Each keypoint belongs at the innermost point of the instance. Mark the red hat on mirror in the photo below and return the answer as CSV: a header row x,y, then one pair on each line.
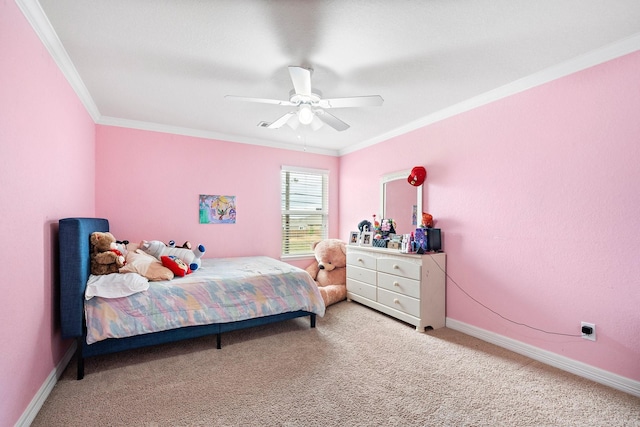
x,y
417,176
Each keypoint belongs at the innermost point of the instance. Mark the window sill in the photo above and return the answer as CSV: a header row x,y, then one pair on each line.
x,y
297,257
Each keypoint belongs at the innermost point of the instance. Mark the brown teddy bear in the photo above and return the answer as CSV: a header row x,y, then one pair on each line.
x,y
329,271
105,257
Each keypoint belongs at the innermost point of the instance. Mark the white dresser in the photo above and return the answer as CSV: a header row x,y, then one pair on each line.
x,y
409,287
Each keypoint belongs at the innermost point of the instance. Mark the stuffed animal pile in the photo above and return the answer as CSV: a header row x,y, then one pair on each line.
x,y
109,256
106,258
329,271
180,261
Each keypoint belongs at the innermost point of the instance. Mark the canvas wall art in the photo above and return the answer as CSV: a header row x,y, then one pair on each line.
x,y
217,209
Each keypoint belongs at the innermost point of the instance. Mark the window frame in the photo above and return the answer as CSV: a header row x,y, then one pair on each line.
x,y
324,212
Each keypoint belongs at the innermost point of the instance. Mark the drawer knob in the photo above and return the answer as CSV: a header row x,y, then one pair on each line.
x,y
396,266
396,284
396,301
359,259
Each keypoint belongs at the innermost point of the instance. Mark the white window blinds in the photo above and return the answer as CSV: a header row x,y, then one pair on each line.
x,y
304,205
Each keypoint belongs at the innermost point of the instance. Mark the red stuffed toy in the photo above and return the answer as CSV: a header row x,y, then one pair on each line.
x,y
176,265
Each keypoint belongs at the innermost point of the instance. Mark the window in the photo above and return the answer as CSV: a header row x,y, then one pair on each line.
x,y
304,206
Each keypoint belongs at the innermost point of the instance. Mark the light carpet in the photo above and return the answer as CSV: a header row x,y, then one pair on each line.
x,y
357,368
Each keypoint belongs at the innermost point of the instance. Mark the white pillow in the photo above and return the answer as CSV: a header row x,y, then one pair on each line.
x,y
115,285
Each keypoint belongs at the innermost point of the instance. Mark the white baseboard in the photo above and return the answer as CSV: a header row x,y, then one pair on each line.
x,y
561,362
38,400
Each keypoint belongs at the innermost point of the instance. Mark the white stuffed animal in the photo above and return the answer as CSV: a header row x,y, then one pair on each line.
x,y
191,257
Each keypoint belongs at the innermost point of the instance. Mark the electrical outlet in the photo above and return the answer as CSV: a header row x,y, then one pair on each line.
x,y
592,335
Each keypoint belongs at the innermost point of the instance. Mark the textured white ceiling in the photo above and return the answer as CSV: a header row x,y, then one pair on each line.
x,y
167,65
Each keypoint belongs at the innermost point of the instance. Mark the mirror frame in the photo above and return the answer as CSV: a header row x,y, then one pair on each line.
x,y
394,176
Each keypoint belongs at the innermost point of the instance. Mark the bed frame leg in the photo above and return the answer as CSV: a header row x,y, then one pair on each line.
x,y
218,341
313,320
79,357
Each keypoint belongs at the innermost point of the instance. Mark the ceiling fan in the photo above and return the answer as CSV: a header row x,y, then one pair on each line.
x,y
310,107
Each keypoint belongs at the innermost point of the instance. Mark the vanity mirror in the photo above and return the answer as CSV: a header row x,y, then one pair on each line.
x,y
400,201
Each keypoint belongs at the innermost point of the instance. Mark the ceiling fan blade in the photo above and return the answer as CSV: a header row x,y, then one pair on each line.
x,y
261,100
354,101
332,120
301,79
281,121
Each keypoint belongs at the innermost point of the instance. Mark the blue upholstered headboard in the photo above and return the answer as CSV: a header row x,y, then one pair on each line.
x,y
75,268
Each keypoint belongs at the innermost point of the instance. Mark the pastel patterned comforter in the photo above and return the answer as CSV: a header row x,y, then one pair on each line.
x,y
221,290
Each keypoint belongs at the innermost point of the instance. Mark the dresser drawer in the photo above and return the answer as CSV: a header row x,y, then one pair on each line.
x,y
361,274
362,289
399,302
360,259
399,267
399,284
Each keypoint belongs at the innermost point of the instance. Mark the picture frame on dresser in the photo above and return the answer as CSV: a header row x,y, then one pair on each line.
x,y
367,238
354,238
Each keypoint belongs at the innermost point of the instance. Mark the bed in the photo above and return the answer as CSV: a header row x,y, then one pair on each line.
x,y
223,295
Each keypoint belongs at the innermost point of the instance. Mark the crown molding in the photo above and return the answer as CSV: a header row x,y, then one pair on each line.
x,y
40,23
43,28
579,63
177,130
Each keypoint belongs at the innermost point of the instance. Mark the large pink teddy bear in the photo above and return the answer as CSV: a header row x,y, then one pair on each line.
x,y
330,270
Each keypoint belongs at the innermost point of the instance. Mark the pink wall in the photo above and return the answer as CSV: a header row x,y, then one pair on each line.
x,y
148,185
538,198
46,173
537,195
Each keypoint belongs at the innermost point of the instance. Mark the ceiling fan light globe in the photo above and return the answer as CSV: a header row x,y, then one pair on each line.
x,y
316,123
305,115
